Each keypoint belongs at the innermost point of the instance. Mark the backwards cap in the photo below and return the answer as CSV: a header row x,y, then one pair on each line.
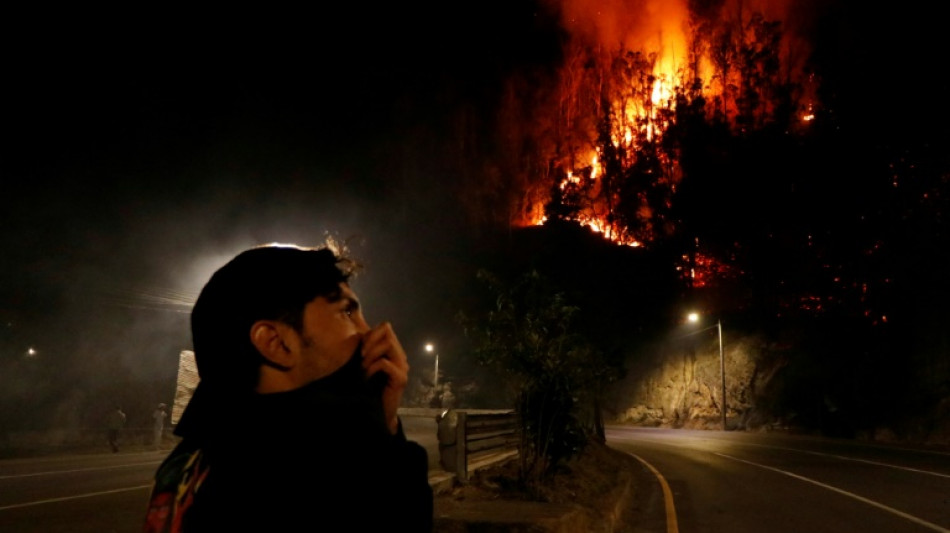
x,y
271,282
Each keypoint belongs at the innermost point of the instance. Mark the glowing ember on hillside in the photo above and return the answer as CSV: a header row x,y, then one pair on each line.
x,y
633,73
703,270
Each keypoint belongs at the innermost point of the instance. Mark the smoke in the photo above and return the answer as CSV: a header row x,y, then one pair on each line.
x,y
668,28
632,25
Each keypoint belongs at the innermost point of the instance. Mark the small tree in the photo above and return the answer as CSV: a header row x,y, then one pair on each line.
x,y
550,369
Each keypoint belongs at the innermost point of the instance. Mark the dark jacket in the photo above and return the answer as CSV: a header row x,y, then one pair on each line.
x,y
315,459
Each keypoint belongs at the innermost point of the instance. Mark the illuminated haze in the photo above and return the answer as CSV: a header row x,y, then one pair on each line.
x,y
142,159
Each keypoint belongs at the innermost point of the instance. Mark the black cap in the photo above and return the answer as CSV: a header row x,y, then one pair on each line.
x,y
271,282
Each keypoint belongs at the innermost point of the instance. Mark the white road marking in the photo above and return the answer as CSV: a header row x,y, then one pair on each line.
x,y
66,498
845,458
862,499
75,470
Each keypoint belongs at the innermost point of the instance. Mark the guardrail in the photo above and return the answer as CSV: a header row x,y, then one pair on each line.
x,y
470,438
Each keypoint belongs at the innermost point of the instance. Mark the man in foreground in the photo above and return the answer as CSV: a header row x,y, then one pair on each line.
x,y
294,422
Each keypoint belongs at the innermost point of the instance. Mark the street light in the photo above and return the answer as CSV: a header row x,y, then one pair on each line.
x,y
435,378
694,317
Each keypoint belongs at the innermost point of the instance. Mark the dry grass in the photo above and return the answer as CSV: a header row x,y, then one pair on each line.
x,y
594,480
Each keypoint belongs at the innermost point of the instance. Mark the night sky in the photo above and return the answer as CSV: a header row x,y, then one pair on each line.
x,y
144,149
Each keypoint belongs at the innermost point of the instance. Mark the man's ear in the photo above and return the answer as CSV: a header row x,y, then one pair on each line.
x,y
271,340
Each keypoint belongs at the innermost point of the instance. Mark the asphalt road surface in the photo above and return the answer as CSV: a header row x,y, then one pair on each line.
x,y
713,481
81,493
689,481
106,493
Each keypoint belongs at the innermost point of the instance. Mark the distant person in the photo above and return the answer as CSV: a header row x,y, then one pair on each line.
x,y
115,423
158,425
294,423
448,397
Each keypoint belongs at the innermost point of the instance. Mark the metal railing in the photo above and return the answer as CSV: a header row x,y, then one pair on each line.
x,y
472,438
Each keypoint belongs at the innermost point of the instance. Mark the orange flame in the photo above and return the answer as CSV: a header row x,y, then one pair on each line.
x,y
628,66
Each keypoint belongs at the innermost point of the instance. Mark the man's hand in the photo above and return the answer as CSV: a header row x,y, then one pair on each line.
x,y
383,353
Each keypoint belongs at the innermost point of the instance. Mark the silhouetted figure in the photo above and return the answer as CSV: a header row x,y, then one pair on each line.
x,y
448,397
158,425
115,423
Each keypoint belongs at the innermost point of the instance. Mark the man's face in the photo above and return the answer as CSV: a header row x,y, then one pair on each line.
x,y
332,331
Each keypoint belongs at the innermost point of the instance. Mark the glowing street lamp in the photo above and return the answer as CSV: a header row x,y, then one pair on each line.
x,y
694,318
435,378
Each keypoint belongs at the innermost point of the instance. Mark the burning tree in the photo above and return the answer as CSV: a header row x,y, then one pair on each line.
x,y
614,123
697,128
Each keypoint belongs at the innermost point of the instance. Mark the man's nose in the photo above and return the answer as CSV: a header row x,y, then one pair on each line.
x,y
362,326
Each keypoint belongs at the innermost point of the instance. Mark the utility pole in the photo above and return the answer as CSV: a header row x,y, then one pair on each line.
x,y
694,317
722,374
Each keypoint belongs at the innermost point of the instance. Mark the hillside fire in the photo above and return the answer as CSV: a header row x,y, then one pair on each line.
x,y
634,79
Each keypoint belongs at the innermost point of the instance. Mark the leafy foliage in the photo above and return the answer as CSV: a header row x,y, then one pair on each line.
x,y
552,370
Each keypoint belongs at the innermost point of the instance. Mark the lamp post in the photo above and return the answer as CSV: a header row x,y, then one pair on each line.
x,y
435,376
694,317
722,374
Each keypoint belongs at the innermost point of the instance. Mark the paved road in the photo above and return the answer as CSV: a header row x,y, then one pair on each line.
x,y
81,493
753,483
718,482
105,493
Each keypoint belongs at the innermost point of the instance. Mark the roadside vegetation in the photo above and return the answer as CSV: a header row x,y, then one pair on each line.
x,y
554,375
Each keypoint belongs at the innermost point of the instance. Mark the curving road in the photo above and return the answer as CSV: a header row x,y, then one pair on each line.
x,y
713,481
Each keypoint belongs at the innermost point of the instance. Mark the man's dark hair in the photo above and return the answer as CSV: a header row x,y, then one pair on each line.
x,y
271,282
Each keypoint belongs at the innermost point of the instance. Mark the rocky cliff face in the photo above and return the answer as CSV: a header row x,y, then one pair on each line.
x,y
680,385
